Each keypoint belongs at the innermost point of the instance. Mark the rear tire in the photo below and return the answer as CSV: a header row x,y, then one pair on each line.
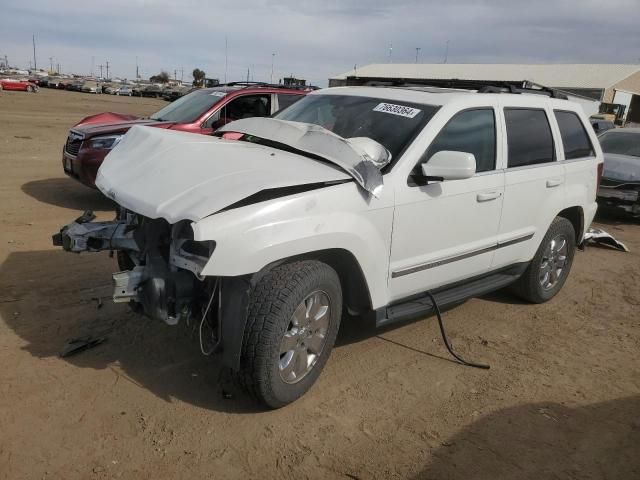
x,y
550,267
293,319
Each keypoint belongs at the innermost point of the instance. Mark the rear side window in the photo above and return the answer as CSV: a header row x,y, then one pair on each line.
x,y
575,141
471,131
529,137
284,100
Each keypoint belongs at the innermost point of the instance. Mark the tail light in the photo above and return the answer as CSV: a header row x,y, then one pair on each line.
x,y
600,169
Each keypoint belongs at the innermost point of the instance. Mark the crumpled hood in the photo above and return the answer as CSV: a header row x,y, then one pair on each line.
x,y
177,175
318,141
625,168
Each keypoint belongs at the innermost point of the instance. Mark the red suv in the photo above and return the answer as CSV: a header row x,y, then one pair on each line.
x,y
201,111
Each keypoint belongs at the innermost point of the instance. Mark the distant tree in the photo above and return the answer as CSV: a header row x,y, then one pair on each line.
x,y
162,77
198,77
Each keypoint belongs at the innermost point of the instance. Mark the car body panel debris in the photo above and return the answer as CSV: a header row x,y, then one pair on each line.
x,y
597,236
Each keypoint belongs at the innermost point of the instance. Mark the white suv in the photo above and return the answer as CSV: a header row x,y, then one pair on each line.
x,y
357,199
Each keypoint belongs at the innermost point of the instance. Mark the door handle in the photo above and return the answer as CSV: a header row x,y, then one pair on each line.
x,y
486,197
554,182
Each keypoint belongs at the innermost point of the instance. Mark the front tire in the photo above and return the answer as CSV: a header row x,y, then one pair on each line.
x,y
550,267
293,319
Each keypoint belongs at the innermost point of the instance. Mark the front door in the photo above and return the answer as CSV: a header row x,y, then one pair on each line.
x,y
446,231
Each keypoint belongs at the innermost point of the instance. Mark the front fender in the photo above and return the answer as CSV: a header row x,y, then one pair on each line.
x,y
342,216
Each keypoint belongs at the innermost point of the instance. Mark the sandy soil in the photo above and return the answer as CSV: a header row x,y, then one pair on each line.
x,y
562,398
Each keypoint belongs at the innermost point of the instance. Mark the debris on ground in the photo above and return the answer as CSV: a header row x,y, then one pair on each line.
x,y
77,345
598,237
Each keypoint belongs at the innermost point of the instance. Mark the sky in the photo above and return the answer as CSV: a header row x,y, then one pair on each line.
x,y
314,40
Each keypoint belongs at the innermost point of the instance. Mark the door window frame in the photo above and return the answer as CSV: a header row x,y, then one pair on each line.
x,y
553,133
584,129
411,179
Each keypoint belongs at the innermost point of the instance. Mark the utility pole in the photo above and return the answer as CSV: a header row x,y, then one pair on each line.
x,y
101,70
107,69
92,60
175,74
417,52
273,57
59,70
446,52
226,58
35,65
137,73
247,74
181,74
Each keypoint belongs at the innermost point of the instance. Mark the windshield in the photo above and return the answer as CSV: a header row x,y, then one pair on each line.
x,y
391,123
622,143
188,108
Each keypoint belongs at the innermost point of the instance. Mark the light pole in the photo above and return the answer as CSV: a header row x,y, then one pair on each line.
x,y
417,52
273,57
446,52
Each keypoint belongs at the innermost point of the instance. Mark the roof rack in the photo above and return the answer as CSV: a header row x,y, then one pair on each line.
x,y
482,86
268,85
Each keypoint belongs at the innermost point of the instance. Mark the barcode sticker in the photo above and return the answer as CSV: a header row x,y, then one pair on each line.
x,y
399,110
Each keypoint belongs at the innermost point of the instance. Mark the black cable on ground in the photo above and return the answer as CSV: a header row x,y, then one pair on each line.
x,y
446,340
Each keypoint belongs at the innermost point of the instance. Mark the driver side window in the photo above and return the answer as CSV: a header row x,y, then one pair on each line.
x,y
471,131
242,107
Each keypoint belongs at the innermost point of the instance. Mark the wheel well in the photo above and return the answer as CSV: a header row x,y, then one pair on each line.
x,y
576,216
354,285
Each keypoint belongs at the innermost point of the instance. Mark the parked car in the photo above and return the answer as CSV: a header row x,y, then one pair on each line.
x,y
171,94
17,85
201,111
601,126
152,91
376,201
53,82
124,90
620,184
137,89
91,87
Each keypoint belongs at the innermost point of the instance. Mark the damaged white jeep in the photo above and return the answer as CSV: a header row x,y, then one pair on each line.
x,y
359,199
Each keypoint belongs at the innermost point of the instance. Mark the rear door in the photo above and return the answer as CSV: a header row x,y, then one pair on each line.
x,y
534,178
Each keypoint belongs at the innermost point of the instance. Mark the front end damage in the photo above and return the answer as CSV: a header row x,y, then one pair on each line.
x,y
160,268
622,195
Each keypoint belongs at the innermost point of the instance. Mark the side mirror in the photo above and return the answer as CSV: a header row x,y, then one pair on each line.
x,y
450,165
371,149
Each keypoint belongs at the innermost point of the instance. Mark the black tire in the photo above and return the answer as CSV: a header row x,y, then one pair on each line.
x,y
530,285
272,304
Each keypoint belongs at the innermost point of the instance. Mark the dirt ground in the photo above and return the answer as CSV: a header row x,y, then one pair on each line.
x,y
561,400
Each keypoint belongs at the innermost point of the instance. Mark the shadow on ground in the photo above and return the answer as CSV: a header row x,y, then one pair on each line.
x,y
544,441
49,297
614,217
67,193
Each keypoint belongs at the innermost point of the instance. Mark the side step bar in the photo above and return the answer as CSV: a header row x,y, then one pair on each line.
x,y
420,305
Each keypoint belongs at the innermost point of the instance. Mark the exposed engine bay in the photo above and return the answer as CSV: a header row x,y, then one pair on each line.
x,y
160,263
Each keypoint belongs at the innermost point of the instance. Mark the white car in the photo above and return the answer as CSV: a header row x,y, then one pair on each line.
x,y
358,199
